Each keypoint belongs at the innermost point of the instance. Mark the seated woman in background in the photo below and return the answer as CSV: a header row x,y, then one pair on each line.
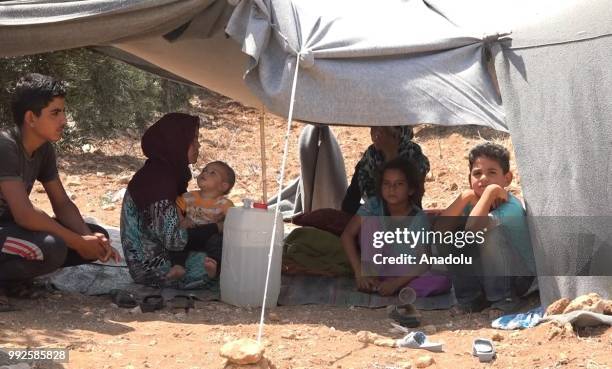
x,y
388,143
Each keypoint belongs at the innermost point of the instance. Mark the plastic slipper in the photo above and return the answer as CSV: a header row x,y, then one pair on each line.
x,y
483,348
405,315
123,299
418,340
182,302
152,303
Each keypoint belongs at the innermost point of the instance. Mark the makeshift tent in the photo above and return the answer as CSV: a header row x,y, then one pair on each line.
x,y
388,63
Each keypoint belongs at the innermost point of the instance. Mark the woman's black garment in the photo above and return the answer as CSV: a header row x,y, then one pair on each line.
x,y
352,199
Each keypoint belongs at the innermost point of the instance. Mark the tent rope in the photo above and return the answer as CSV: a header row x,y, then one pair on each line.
x,y
278,196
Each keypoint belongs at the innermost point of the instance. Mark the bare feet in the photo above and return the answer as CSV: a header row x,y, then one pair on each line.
x,y
210,265
176,272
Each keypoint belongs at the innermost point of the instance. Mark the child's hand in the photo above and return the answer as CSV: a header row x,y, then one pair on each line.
x,y
497,194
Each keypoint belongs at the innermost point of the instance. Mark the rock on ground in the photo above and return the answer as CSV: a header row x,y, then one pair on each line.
x,y
242,351
376,339
558,306
591,302
424,361
262,364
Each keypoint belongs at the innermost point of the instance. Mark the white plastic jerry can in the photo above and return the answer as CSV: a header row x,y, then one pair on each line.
x,y
246,242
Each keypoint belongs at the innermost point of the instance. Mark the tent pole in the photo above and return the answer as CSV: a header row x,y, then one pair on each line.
x,y
262,138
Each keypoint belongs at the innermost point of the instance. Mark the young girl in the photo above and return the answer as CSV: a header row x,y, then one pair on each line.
x,y
400,189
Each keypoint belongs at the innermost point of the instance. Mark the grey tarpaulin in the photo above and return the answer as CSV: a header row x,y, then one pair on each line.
x,y
363,64
558,102
322,182
387,63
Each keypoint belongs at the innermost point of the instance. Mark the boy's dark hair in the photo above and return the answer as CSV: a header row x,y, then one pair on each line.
x,y
34,92
413,176
492,151
229,172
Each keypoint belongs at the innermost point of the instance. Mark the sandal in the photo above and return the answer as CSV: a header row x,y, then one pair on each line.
x,y
25,291
152,303
123,299
405,315
182,302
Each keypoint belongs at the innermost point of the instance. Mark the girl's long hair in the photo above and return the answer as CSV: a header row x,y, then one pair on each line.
x,y
414,178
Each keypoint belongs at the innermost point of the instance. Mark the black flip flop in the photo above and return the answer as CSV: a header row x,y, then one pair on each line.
x,y
152,303
123,299
405,315
182,302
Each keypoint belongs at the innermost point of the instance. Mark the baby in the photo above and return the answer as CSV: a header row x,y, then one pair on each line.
x,y
207,205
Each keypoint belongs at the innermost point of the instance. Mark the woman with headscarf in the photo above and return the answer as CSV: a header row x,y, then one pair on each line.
x,y
388,143
149,218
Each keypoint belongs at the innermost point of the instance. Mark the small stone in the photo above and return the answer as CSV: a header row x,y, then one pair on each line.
x,y
607,307
152,342
288,335
554,332
404,365
100,174
125,179
497,337
563,359
243,351
40,190
108,207
430,177
261,364
274,317
453,187
430,329
73,196
557,307
73,181
424,361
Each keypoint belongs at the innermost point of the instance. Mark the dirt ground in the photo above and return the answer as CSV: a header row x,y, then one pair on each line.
x,y
99,335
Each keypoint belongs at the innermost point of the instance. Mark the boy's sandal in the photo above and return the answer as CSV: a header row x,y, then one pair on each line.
x,y
405,315
152,303
123,299
185,302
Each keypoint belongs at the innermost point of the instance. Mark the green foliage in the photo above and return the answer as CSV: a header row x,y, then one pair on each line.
x,y
105,96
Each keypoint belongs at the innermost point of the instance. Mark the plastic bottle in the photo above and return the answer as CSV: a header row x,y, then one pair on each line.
x,y
246,241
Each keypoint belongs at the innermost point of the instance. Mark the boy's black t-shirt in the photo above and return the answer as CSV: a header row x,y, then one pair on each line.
x,y
15,164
